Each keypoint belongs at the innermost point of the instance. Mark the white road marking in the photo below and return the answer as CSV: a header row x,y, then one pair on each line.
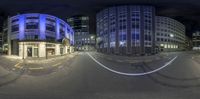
x,y
36,68
60,67
132,74
56,64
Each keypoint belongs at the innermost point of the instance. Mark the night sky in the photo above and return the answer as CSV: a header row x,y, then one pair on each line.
x,y
185,11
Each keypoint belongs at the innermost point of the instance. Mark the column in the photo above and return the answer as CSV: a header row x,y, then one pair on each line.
x,y
42,49
42,26
9,34
128,48
57,49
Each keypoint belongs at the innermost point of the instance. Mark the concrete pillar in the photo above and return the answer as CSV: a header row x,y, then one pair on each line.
x,y
57,49
128,33
9,36
65,49
70,49
142,48
117,34
42,49
20,49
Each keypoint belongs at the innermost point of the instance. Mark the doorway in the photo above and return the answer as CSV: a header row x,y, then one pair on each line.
x,y
29,51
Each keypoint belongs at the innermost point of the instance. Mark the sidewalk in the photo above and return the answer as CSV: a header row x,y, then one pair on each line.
x,y
196,58
38,59
16,66
48,59
7,77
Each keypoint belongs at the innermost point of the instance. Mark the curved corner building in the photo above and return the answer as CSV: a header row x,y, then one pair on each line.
x,y
170,34
39,35
126,30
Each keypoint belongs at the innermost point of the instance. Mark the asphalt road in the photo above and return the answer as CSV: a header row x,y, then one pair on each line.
x,y
83,78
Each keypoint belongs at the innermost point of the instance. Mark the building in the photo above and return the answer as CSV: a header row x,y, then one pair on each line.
x,y
126,30
196,40
38,35
170,34
1,42
4,38
188,43
83,40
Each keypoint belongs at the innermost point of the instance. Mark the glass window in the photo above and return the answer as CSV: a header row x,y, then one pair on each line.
x,y
32,25
15,28
50,27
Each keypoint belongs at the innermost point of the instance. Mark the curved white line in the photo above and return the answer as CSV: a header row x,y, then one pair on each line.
x,y
132,74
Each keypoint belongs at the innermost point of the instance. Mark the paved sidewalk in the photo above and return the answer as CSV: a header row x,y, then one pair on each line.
x,y
38,60
7,77
35,65
49,59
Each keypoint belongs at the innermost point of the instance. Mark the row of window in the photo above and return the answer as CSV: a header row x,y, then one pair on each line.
x,y
33,25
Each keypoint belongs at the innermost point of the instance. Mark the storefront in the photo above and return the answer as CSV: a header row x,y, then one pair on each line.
x,y
42,49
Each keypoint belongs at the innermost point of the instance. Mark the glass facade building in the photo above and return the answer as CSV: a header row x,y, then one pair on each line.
x,y
126,30
83,39
196,40
34,34
1,42
170,34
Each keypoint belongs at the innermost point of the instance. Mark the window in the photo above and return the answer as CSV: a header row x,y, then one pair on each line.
x,y
33,17
15,28
51,20
135,36
15,20
31,37
50,27
32,25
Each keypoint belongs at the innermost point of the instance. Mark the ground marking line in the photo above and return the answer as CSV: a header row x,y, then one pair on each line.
x,y
132,74
56,64
36,68
18,65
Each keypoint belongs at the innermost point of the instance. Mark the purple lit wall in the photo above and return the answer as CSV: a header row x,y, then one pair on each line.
x,y
21,27
42,27
57,29
68,32
71,37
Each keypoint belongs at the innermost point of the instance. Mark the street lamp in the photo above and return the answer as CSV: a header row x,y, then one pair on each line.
x,y
171,35
92,37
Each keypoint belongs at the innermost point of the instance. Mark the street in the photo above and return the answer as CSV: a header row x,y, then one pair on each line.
x,y
80,77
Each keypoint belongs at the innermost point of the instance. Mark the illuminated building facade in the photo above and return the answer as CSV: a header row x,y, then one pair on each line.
x,y
170,34
1,42
128,30
83,40
196,40
38,35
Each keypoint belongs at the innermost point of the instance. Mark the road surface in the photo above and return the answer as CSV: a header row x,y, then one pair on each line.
x,y
83,78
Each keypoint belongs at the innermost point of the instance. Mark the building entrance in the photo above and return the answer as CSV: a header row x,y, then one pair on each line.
x,y
29,51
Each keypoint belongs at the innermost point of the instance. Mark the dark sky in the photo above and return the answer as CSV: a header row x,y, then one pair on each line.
x,y
186,11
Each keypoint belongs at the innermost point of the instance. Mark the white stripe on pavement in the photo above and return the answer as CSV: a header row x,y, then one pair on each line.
x,y
132,74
